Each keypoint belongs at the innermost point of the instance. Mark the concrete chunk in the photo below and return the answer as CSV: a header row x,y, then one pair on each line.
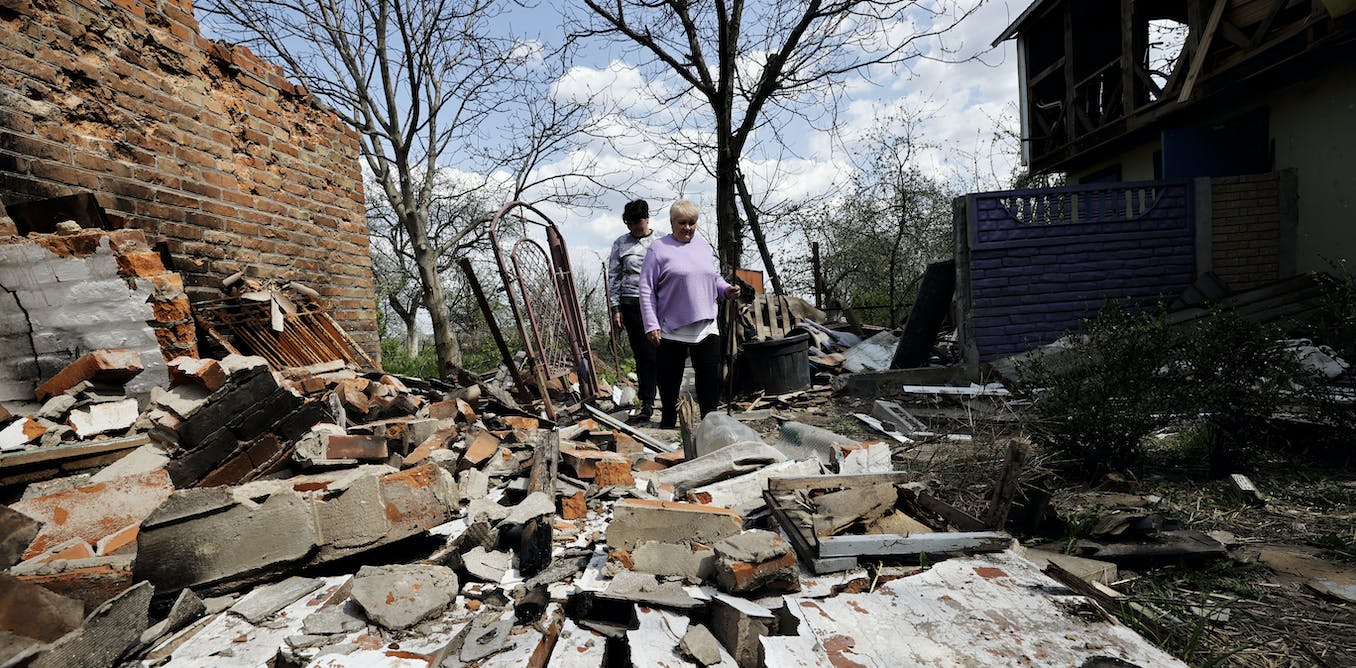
x,y
205,373
335,619
534,505
186,608
400,596
56,408
673,559
488,566
756,561
699,645
261,603
636,520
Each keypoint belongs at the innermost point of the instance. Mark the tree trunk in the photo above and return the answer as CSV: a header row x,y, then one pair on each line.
x,y
444,343
412,335
729,228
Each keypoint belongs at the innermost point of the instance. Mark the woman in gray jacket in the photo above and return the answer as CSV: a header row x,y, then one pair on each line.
x,y
623,294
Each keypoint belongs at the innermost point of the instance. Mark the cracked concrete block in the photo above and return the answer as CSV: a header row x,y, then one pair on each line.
x,y
472,484
636,520
94,511
263,602
32,611
699,645
756,561
205,373
646,589
489,633
106,634
864,458
354,516
400,596
182,401
17,532
673,559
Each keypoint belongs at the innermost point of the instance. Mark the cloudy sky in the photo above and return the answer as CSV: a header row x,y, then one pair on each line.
x,y
961,106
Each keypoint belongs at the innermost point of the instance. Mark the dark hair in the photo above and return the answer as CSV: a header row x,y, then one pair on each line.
x,y
635,210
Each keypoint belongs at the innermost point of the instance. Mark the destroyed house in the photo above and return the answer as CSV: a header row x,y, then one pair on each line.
x,y
120,116
1197,138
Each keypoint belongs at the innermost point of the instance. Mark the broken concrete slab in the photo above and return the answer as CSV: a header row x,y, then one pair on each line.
x,y
646,589
741,625
186,608
182,401
727,462
147,458
56,408
104,366
94,511
106,634
17,532
32,611
261,603
487,634
636,520
744,494
866,458
532,506
198,540
401,595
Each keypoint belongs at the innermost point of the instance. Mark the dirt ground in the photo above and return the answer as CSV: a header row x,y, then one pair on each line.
x,y
1262,605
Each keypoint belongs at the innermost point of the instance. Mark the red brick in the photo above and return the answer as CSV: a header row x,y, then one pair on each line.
x,y
611,472
574,507
108,366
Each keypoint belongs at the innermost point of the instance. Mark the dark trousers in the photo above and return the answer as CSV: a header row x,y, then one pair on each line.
x,y
705,365
643,351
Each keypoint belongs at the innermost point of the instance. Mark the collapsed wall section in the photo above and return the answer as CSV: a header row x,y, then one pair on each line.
x,y
201,145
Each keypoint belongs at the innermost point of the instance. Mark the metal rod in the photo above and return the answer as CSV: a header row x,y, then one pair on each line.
x,y
484,304
645,439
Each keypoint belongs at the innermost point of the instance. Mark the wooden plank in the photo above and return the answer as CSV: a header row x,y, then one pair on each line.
x,y
882,545
1005,487
836,481
63,452
1202,50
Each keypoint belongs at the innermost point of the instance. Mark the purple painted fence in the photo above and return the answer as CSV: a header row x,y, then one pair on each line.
x,y
1041,261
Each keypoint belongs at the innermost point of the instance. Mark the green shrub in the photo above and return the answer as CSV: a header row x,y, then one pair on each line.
x,y
1224,377
394,359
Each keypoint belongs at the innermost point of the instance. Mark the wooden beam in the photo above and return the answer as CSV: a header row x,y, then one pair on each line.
x,y
836,481
1202,49
1005,487
64,452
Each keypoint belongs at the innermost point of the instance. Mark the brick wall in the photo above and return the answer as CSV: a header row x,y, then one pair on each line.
x,y
201,145
1245,237
1039,262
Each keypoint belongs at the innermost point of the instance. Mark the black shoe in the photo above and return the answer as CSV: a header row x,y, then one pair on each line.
x,y
643,417
668,425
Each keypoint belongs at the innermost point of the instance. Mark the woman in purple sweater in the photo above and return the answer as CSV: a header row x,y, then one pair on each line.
x,y
679,287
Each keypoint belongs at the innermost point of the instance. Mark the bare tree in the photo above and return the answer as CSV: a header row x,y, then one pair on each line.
x,y
417,79
754,64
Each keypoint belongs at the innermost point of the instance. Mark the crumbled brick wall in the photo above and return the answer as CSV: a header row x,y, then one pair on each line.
x,y
1245,243
202,145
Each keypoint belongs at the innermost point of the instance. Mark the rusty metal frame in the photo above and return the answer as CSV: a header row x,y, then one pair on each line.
x,y
563,281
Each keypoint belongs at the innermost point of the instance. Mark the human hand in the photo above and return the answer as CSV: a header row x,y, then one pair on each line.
x,y
653,337
732,292
616,319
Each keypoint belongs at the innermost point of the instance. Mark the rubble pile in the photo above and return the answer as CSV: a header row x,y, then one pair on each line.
x,y
328,516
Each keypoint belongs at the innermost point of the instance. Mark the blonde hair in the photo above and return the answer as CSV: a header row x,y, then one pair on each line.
x,y
684,210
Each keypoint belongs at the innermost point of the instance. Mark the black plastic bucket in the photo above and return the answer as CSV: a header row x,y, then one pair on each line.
x,y
780,365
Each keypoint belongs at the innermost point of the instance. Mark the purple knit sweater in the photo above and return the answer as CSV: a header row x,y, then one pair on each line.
x,y
679,284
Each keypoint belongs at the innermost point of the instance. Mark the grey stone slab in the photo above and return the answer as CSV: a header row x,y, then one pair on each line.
x,y
488,633
535,505
488,566
56,407
261,603
186,608
675,559
753,546
400,596
647,589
